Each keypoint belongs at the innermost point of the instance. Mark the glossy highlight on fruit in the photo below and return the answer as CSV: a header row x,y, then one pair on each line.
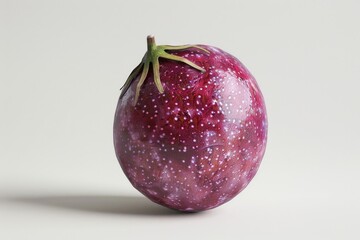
x,y
190,126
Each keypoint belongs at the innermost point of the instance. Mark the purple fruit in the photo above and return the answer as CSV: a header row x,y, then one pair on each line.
x,y
194,139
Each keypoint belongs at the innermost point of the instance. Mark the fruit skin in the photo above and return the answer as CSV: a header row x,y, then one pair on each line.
x,y
200,142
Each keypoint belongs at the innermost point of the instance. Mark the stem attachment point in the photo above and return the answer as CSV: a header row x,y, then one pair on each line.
x,y
152,56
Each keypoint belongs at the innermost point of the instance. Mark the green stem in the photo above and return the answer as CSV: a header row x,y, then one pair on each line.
x,y
151,45
152,56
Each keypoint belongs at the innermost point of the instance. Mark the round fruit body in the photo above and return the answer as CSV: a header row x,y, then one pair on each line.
x,y
200,142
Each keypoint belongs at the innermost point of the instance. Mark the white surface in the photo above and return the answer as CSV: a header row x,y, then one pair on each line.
x,y
62,63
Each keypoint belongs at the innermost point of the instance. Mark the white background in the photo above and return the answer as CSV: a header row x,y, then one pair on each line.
x,y
62,64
